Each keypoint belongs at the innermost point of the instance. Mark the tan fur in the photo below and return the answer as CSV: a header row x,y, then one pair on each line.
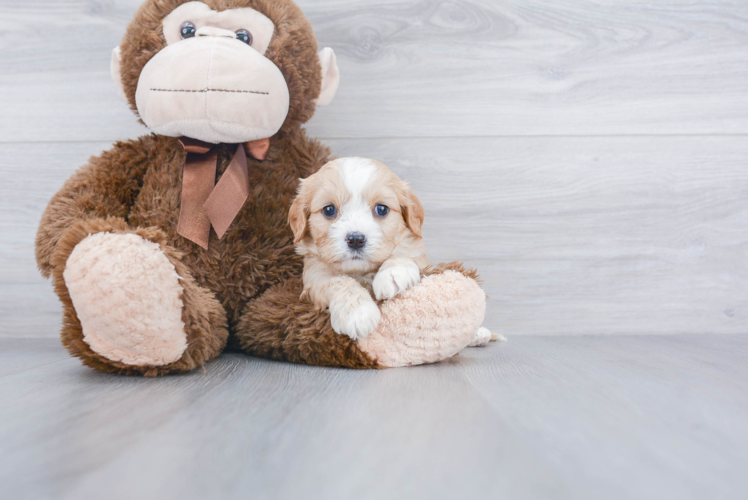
x,y
402,228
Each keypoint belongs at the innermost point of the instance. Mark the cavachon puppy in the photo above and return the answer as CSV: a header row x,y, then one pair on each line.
x,y
358,227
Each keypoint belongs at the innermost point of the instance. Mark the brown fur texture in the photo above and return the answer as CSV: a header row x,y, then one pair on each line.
x,y
244,288
343,280
136,187
264,331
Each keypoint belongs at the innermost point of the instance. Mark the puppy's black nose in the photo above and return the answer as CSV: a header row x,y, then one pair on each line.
x,y
355,240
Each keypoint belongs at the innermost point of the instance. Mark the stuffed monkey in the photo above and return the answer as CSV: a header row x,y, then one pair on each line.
x,y
167,249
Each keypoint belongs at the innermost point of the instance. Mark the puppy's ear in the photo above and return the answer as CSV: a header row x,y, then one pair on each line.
x,y
412,209
298,214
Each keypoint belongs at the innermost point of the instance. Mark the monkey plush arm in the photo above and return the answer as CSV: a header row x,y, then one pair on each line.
x,y
104,189
432,321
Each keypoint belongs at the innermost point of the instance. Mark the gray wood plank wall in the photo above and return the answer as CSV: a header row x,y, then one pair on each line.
x,y
589,158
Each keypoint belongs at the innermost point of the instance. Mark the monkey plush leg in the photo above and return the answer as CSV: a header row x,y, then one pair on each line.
x,y
130,305
429,322
432,321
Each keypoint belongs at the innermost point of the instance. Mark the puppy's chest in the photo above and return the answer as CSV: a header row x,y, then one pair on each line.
x,y
366,281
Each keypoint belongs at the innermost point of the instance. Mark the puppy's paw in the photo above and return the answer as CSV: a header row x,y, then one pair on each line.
x,y
482,337
395,279
355,316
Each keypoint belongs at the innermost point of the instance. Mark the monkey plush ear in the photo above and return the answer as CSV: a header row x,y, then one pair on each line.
x,y
116,75
330,76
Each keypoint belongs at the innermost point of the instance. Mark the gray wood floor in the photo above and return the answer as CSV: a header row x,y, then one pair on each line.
x,y
589,158
574,417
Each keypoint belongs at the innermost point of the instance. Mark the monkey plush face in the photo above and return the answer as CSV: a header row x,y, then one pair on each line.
x,y
223,71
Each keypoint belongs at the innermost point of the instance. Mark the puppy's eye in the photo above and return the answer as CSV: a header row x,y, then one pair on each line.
x,y
188,30
381,210
329,211
244,36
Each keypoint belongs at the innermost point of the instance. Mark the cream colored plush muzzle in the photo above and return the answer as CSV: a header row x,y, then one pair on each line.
x,y
213,88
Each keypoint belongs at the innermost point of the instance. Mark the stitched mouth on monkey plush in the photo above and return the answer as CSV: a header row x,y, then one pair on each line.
x,y
200,91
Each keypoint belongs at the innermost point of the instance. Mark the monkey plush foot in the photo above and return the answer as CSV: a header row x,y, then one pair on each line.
x,y
128,299
130,304
428,323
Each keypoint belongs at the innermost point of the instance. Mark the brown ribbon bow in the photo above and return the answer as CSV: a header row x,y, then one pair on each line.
x,y
205,203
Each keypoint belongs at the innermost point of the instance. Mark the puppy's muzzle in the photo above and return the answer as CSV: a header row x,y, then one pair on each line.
x,y
356,241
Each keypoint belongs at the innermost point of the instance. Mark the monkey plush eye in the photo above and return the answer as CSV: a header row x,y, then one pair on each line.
x,y
382,210
244,36
329,211
188,30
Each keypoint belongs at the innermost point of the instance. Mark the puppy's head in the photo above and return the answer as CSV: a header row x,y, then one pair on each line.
x,y
353,213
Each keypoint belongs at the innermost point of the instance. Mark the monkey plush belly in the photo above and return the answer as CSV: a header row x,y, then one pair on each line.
x,y
257,250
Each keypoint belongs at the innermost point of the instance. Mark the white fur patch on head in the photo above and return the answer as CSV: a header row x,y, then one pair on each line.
x,y
356,214
357,173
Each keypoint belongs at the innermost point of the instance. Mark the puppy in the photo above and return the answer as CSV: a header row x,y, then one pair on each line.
x,y
358,227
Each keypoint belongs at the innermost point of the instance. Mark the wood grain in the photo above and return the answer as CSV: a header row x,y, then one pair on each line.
x,y
611,235
568,417
426,68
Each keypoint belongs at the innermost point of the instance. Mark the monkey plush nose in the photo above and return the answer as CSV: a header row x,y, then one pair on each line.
x,y
355,240
213,31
